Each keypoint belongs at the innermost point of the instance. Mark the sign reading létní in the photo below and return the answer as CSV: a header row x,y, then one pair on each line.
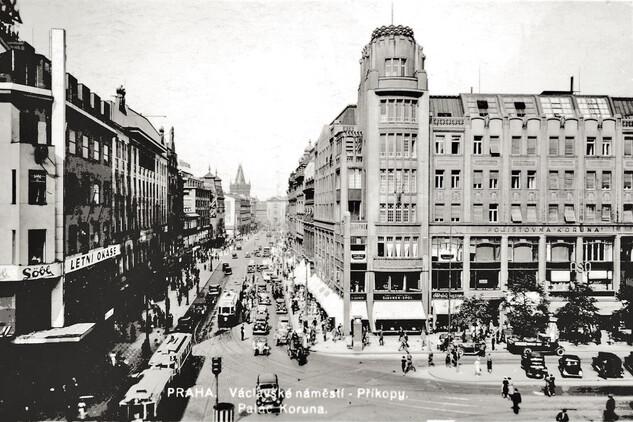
x,y
77,262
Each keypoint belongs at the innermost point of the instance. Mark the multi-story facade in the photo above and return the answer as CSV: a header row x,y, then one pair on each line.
x,y
240,187
260,214
276,212
216,208
416,196
197,211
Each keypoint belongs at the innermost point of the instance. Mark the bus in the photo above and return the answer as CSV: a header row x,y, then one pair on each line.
x,y
266,251
252,267
173,353
144,397
229,309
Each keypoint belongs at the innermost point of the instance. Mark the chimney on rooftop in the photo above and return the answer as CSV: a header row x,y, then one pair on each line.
x,y
120,99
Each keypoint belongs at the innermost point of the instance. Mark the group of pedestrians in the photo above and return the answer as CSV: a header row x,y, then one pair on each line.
x,y
407,364
508,391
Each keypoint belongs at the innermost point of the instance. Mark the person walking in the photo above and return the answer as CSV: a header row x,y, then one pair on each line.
x,y
431,359
242,331
477,367
489,364
448,360
562,416
403,361
516,400
505,387
492,342
510,387
552,385
410,366
609,411
381,338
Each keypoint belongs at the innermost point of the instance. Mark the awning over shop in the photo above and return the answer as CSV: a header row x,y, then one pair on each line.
x,y
300,273
398,309
440,306
192,215
69,334
608,308
331,302
358,308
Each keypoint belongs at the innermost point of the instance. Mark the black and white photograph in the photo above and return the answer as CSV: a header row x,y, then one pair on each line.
x,y
316,210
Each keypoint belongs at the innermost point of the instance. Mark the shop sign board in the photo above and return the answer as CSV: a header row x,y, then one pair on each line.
x,y
397,296
77,262
444,295
29,272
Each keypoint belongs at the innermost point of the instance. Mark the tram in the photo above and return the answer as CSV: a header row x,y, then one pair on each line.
x,y
229,309
173,353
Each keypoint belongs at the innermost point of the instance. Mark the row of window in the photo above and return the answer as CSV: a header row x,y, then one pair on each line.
x,y
398,213
529,213
521,146
398,145
517,181
83,147
394,181
398,111
398,246
555,107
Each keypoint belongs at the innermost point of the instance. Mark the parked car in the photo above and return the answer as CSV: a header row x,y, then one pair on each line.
x,y
214,289
261,328
469,346
269,394
569,366
533,364
541,344
264,298
260,346
608,365
628,362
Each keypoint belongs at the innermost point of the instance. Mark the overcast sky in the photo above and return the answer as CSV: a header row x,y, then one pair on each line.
x,y
252,82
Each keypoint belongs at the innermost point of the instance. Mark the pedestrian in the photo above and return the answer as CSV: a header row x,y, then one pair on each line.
x,y
546,389
477,367
492,342
609,412
242,331
133,333
552,385
400,333
562,416
381,338
505,388
431,359
516,400
403,361
510,387
448,360
410,366
489,364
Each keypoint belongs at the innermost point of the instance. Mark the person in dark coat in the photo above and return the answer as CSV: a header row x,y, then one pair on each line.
x,y
516,400
403,361
242,331
562,416
505,388
489,364
381,338
609,412
551,383
448,360
492,342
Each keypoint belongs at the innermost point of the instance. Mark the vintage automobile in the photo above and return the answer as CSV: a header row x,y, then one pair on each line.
x,y
226,268
296,349
628,362
281,336
262,310
247,255
541,344
534,365
264,298
283,322
569,366
261,328
444,341
234,255
469,346
238,247
269,395
607,365
281,308
260,346
214,289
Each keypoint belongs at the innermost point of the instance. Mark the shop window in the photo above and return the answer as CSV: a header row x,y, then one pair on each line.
x,y
485,250
37,187
598,250
523,250
37,246
560,250
442,279
484,279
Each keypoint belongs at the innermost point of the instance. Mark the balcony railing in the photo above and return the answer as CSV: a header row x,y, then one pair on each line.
x,y
448,121
358,226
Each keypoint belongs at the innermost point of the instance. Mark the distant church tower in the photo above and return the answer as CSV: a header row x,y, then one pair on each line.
x,y
240,186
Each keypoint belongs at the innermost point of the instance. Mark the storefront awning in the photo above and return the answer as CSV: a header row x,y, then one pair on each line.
x,y
331,302
608,308
70,334
440,306
358,308
398,309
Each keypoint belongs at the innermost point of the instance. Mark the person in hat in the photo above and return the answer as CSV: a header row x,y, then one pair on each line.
x,y
609,412
403,361
505,387
562,416
516,400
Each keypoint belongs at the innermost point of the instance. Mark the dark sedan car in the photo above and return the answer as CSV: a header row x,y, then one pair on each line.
x,y
534,365
608,365
569,366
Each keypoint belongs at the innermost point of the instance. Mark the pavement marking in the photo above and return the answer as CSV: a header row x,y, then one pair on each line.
x,y
433,408
456,398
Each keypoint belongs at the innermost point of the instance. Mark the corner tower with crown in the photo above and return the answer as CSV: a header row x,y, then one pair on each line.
x,y
393,110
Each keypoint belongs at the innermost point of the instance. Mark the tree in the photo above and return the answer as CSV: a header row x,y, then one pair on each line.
x,y
578,318
526,307
473,311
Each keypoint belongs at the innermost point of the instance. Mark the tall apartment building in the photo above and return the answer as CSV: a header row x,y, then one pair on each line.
x,y
276,211
416,195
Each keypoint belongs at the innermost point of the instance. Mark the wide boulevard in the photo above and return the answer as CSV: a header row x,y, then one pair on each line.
x,y
369,387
